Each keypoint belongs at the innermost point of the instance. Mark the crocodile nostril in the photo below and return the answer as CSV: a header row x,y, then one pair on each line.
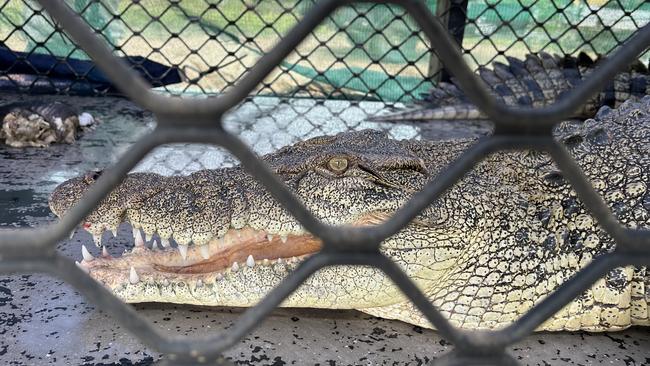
x,y
555,179
573,140
92,176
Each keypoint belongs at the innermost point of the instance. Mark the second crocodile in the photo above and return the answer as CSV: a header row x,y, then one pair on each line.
x,y
537,81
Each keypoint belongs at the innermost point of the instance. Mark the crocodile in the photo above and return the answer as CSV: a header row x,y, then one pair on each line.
x,y
536,81
39,124
489,249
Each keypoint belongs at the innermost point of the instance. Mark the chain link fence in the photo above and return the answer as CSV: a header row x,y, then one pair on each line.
x,y
330,64
363,52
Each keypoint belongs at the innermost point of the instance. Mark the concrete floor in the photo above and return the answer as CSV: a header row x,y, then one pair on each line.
x,y
45,321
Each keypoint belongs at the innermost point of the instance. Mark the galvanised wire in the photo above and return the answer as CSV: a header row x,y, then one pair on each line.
x,y
199,120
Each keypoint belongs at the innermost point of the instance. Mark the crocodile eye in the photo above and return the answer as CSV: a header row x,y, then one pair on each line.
x,y
338,165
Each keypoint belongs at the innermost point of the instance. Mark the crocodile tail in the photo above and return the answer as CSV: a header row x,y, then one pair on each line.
x,y
575,71
444,94
533,76
633,83
448,112
537,81
553,68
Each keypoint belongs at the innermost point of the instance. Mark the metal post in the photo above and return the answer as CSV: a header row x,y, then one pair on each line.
x,y
452,15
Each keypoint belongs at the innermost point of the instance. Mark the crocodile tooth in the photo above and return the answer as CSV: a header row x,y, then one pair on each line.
x,y
137,237
279,261
205,253
86,254
265,262
113,232
165,282
147,237
235,267
105,252
164,242
154,245
133,276
72,233
283,238
199,283
269,237
97,239
81,266
250,261
183,250
219,277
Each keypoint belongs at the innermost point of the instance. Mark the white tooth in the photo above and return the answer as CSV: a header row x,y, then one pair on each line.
x,y
137,237
199,283
219,277
279,261
147,237
113,232
133,276
250,261
165,282
86,254
97,239
105,252
183,250
205,253
269,237
235,267
283,238
164,242
81,266
265,262
72,233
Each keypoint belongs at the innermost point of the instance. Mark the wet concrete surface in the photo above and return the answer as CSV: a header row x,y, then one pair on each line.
x,y
44,321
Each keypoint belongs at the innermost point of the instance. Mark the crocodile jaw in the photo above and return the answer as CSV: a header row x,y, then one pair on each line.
x,y
237,269
162,273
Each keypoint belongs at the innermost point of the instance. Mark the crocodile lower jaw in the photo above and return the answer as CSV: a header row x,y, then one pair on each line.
x,y
236,250
241,249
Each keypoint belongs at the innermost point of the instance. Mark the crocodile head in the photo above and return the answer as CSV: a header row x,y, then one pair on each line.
x,y
499,241
226,241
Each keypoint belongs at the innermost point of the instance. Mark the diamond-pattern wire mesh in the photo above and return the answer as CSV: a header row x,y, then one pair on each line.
x,y
198,121
215,43
497,28
182,33
363,52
